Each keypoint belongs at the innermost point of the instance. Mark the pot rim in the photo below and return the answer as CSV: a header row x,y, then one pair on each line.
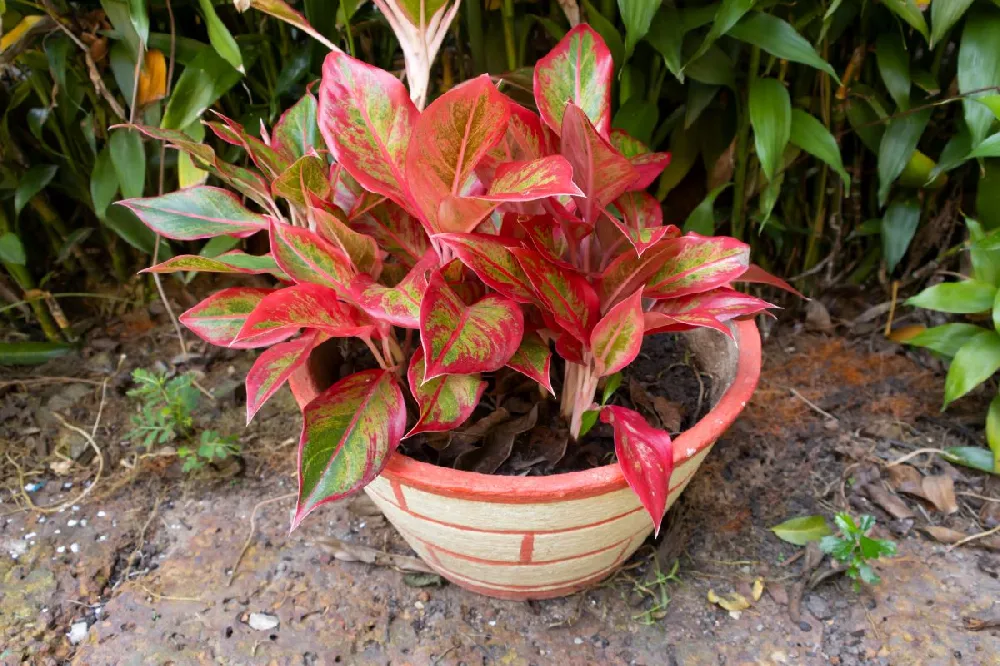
x,y
403,470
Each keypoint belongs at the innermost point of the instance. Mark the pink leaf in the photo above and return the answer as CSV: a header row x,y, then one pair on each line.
x,y
396,231
526,181
273,368
522,141
577,70
648,164
617,337
491,259
308,257
219,318
563,293
756,274
399,305
305,305
646,457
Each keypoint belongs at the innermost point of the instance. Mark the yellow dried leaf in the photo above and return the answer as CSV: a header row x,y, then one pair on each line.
x,y
758,588
152,78
904,333
19,31
731,602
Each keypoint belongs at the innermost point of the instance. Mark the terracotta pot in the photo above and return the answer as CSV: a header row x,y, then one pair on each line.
x,y
541,537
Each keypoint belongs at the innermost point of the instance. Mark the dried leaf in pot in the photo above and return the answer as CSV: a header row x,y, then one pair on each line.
x,y
497,446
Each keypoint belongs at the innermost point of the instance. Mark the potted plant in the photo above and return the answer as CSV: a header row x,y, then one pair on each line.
x,y
470,237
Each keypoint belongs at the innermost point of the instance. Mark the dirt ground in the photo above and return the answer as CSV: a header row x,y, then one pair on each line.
x,y
147,567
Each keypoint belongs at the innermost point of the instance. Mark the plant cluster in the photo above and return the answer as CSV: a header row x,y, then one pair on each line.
x,y
493,231
855,549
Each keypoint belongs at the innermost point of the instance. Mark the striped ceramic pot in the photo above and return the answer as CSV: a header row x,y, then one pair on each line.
x,y
541,537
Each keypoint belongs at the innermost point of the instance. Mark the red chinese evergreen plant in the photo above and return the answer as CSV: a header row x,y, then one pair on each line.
x,y
494,231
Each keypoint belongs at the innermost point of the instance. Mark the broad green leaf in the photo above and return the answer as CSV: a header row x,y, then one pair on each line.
x,y
810,135
802,530
637,16
219,318
973,364
909,12
990,147
993,430
465,339
577,70
200,85
216,246
34,180
11,249
130,229
946,339
996,313
188,173
273,368
304,305
128,156
702,218
348,434
230,262
897,148
713,67
533,359
366,117
780,39
588,421
646,458
31,353
979,68
139,18
611,384
617,337
972,457
944,15
220,37
965,297
898,227
444,403
197,212
985,262
638,117
894,67
727,15
103,182
666,35
771,118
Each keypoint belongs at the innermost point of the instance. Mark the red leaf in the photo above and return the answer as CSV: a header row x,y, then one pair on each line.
x,y
648,164
305,305
399,305
445,402
646,456
196,212
533,359
643,220
219,318
600,171
366,117
577,70
348,434
704,310
273,368
461,339
396,231
522,141
617,337
308,257
565,294
360,248
657,322
491,259
756,274
526,181
449,139
550,236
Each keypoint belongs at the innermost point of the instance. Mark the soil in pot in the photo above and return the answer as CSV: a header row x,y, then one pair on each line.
x,y
517,429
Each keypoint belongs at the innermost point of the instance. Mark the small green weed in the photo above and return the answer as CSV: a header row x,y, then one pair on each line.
x,y
212,446
855,549
657,590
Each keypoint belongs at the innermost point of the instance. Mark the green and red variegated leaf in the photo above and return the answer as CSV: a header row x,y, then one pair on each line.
x,y
533,359
444,402
756,274
308,257
464,339
399,305
306,306
219,318
366,117
577,70
617,337
526,181
723,303
296,132
646,456
271,162
648,165
349,196
522,141
195,213
569,348
395,231
230,262
348,434
657,322
700,263
563,293
360,248
273,368
461,214
449,139
642,219
552,237
600,171
303,179
490,258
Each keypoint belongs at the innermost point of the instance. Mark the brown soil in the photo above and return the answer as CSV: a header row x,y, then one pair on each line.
x,y
148,565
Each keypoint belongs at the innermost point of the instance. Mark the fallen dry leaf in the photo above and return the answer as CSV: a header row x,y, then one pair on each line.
x,y
779,593
670,414
894,506
944,534
352,552
818,317
904,333
758,588
906,479
733,601
940,491
498,445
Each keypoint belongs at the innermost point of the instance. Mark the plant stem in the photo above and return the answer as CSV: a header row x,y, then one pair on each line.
x,y
474,26
53,220
743,153
819,217
509,39
579,388
22,276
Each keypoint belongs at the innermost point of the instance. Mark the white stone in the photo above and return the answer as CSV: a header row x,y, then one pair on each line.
x,y
77,632
74,547
263,621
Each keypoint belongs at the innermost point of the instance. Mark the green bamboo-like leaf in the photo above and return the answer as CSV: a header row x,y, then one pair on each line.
x,y
637,15
607,30
31,353
666,35
11,249
973,364
130,229
129,159
898,227
34,180
802,530
985,261
909,12
702,218
220,37
810,135
946,339
103,182
993,430
139,18
727,15
965,297
990,147
771,118
894,67
992,102
979,68
944,15
200,85
972,457
780,39
712,67
897,148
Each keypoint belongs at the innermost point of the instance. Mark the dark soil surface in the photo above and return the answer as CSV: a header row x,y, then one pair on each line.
x,y
154,566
